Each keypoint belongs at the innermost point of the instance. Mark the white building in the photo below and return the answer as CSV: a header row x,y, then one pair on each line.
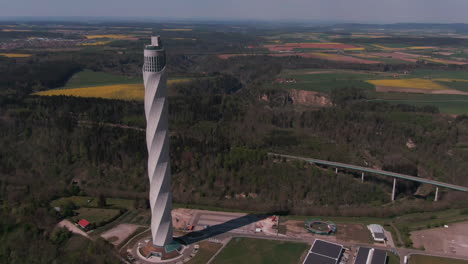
x,y
378,232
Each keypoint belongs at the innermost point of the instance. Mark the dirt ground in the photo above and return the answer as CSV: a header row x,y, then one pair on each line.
x,y
357,233
452,240
72,228
353,232
181,217
119,233
267,225
296,229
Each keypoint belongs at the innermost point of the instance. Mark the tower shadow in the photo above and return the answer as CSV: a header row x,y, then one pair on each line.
x,y
222,228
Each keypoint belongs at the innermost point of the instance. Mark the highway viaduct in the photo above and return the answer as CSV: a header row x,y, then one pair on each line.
x,y
364,170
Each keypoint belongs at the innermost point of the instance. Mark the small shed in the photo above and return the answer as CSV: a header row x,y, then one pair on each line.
x,y
84,224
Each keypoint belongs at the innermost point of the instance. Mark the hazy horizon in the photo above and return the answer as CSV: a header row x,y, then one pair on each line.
x,y
357,11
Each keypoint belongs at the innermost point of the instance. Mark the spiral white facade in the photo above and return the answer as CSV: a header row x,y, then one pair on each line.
x,y
157,141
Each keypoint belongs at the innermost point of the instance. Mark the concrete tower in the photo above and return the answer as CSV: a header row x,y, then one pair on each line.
x,y
157,141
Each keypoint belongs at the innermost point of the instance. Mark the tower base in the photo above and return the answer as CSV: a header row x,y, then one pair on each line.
x,y
170,251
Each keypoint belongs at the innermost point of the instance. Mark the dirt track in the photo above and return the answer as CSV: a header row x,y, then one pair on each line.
x,y
72,228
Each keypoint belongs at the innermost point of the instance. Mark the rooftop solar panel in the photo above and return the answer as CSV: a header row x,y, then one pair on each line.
x,y
379,257
327,249
313,258
361,257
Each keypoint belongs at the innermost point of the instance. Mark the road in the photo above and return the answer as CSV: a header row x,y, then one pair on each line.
x,y
72,228
376,171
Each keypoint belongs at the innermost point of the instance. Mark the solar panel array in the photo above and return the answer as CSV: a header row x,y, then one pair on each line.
x,y
378,257
323,252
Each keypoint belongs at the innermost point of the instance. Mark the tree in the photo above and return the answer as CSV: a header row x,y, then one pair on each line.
x,y
102,201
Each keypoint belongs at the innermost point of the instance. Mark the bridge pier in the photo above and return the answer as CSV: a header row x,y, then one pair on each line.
x,y
436,194
362,177
336,170
394,189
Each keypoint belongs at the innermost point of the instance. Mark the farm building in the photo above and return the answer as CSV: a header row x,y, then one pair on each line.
x,y
324,252
378,232
371,256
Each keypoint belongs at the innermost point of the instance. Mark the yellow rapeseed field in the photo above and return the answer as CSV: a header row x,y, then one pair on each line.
x,y
118,91
383,47
435,60
15,55
108,36
325,55
94,43
415,83
354,49
419,47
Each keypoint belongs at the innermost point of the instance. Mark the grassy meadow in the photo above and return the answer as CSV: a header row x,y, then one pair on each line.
x,y
325,82
447,104
206,252
88,78
96,216
249,250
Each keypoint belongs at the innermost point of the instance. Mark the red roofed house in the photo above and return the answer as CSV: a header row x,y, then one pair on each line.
x,y
84,224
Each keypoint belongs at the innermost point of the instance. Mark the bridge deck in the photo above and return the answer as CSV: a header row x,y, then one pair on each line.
x,y
380,172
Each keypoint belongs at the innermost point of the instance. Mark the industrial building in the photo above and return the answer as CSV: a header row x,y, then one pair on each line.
x,y
324,252
370,256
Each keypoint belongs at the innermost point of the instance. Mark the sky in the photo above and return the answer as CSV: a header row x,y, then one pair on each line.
x,y
364,11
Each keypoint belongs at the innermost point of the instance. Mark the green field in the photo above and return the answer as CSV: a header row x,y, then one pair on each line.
x,y
249,250
457,85
392,258
88,201
206,252
325,82
421,259
88,78
96,216
447,104
437,74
